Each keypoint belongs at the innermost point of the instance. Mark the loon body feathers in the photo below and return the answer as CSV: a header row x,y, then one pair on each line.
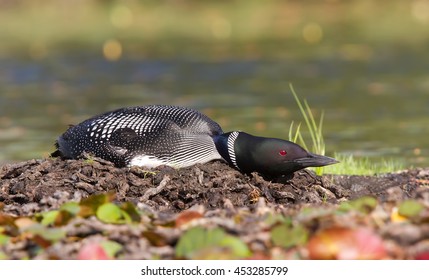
x,y
156,135
148,136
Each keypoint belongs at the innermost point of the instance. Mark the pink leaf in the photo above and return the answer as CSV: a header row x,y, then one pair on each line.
x,y
92,251
343,243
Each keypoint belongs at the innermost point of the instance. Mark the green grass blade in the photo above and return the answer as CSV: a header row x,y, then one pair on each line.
x,y
311,123
351,165
314,128
294,136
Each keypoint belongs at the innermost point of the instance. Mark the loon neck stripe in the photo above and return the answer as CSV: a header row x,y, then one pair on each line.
x,y
231,152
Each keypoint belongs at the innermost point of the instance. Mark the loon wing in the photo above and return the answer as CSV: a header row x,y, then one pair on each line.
x,y
165,143
155,135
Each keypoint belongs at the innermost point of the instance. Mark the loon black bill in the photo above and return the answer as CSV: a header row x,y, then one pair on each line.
x,y
314,160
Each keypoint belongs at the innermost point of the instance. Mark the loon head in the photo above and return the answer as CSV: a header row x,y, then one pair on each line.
x,y
268,156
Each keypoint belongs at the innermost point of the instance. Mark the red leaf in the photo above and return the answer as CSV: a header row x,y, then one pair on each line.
x,y
422,256
344,243
92,251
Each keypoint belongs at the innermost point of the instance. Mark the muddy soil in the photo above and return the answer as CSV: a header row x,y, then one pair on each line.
x,y
214,189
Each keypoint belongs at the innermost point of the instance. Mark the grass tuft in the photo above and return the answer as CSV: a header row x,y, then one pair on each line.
x,y
350,164
315,129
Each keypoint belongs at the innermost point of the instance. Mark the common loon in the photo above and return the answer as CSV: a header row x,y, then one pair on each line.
x,y
157,135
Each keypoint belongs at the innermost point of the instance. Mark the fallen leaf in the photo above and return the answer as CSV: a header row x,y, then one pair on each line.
x,y
48,218
238,247
63,218
187,216
344,243
410,208
111,247
6,220
42,242
71,207
288,236
154,238
110,213
50,234
274,218
93,251
422,256
90,204
395,217
364,205
3,239
24,222
210,244
131,210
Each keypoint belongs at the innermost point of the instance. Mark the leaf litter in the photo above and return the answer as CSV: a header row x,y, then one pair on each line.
x,y
89,209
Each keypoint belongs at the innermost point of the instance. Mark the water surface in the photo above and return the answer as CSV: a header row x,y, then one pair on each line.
x,y
376,107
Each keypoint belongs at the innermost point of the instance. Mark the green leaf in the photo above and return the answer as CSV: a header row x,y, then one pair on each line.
x,y
4,239
50,234
71,207
364,205
89,205
110,213
131,210
286,236
410,208
58,217
63,218
198,239
237,246
111,247
273,219
48,218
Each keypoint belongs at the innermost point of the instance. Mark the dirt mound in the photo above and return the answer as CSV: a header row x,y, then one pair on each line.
x,y
214,189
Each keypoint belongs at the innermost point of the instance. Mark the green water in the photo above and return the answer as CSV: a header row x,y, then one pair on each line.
x,y
376,107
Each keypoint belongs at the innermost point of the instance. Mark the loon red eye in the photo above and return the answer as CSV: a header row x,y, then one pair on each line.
x,y
282,152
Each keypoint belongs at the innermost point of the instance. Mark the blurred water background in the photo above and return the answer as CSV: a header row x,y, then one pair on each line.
x,y
364,63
